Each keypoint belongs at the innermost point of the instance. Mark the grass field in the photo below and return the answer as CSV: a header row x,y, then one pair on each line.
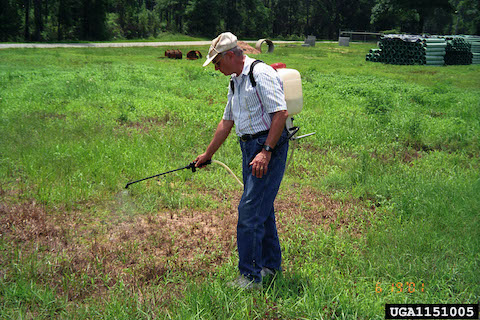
x,y
380,206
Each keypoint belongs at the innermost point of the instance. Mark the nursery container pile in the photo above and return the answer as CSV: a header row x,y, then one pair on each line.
x,y
421,50
474,41
459,51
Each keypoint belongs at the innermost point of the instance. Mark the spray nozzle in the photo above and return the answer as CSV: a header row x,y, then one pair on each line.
x,y
194,168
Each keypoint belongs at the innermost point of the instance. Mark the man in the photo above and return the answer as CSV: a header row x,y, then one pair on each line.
x,y
259,114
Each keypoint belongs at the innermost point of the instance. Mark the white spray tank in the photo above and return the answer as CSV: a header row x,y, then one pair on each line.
x,y
292,87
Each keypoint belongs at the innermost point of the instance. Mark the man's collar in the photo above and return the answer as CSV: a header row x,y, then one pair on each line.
x,y
246,65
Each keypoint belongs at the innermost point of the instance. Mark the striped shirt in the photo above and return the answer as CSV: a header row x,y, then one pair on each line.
x,y
252,108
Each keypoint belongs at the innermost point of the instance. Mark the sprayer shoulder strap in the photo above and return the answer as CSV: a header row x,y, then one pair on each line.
x,y
250,75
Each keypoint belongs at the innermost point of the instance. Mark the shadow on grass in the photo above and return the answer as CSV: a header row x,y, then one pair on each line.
x,y
285,286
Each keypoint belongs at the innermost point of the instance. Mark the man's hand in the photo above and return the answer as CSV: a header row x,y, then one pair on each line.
x,y
260,163
222,132
201,159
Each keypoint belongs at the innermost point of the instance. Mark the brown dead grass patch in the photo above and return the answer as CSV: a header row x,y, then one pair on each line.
x,y
146,124
318,211
25,222
87,255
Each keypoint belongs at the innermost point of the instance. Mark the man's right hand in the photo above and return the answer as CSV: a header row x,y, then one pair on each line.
x,y
201,159
222,132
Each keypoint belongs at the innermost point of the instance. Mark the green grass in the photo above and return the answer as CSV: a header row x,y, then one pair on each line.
x,y
386,191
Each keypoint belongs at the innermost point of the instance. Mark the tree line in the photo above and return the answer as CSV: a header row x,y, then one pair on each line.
x,y
64,20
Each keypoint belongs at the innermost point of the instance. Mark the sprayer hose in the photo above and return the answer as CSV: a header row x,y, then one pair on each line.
x,y
292,148
229,170
238,180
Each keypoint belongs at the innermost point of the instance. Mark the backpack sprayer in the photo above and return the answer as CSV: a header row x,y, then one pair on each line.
x,y
292,87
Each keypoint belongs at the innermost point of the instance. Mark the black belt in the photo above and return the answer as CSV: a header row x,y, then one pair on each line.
x,y
247,137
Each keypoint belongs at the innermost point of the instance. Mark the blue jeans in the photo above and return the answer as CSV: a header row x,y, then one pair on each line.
x,y
257,238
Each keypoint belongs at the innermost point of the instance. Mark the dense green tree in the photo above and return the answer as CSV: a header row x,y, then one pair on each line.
x,y
467,17
357,17
289,17
11,20
38,14
327,17
407,15
441,22
65,19
425,9
172,12
92,20
26,13
104,19
255,18
233,19
127,14
203,17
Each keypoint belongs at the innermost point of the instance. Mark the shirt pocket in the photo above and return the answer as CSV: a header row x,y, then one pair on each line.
x,y
251,101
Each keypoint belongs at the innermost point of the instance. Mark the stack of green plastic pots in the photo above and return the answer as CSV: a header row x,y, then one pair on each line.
x,y
394,50
408,50
375,55
458,51
434,51
474,42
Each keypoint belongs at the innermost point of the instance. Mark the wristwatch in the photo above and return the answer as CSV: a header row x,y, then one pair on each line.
x,y
267,148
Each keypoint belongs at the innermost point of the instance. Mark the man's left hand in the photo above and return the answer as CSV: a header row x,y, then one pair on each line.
x,y
260,163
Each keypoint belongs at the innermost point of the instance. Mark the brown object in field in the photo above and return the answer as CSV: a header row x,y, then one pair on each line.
x,y
194,55
173,54
247,48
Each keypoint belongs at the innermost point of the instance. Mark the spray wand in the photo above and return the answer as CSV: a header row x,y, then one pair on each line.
x,y
189,166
